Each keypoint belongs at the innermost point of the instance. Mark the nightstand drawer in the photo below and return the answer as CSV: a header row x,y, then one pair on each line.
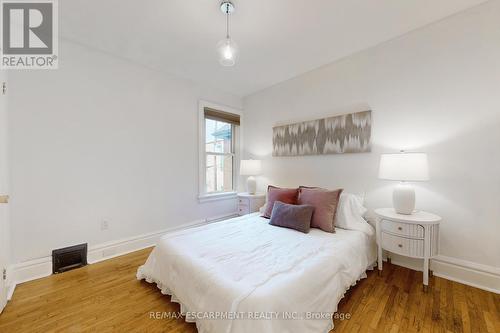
x,y
250,203
243,201
402,245
403,229
243,209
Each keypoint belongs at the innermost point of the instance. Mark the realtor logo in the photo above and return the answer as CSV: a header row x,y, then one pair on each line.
x,y
29,34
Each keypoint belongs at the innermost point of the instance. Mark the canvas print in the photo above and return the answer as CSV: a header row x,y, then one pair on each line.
x,y
348,133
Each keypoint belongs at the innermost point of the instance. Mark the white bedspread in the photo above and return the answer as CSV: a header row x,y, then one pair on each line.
x,y
270,279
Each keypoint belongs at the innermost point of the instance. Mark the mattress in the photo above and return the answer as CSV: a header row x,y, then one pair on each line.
x,y
244,275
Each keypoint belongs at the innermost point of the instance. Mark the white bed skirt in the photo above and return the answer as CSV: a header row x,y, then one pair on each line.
x,y
184,309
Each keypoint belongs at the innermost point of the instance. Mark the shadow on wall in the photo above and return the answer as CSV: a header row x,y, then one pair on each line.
x,y
465,188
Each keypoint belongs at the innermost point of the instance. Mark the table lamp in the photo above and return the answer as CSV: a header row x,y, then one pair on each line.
x,y
404,167
251,168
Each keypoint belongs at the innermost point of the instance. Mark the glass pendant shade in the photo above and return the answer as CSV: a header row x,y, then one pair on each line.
x,y
227,51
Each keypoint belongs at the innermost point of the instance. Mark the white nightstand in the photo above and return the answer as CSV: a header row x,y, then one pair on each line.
x,y
250,203
415,235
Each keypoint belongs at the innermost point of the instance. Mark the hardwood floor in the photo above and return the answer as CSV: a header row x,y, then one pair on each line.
x,y
106,297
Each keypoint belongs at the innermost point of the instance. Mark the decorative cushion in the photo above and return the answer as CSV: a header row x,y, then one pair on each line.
x,y
285,195
325,204
296,217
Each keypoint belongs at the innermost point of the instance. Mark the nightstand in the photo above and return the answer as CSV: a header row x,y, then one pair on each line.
x,y
250,203
415,236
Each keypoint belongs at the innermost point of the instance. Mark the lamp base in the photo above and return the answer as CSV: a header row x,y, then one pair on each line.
x,y
251,185
403,199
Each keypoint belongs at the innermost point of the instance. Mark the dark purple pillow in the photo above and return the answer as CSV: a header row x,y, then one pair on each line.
x,y
296,217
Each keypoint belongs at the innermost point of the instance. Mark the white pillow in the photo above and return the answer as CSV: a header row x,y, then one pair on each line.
x,y
350,214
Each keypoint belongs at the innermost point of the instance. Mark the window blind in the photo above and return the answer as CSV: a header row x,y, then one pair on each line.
x,y
222,116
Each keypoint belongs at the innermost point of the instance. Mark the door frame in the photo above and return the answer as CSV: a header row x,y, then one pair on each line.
x,y
4,190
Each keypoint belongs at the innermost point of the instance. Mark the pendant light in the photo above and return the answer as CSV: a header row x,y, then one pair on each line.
x,y
226,48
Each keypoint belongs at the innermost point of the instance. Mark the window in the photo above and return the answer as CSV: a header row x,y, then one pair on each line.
x,y
218,156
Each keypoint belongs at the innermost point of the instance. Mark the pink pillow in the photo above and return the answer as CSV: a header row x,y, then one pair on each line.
x,y
325,204
285,195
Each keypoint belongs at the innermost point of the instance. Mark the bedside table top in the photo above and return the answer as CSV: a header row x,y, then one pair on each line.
x,y
420,217
248,195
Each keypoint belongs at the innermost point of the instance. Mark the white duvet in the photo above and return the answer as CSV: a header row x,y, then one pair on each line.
x,y
244,275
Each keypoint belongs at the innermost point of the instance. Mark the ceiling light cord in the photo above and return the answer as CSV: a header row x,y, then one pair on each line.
x,y
227,21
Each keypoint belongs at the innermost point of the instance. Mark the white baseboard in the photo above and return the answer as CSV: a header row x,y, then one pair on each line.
x,y
466,272
10,291
42,267
11,285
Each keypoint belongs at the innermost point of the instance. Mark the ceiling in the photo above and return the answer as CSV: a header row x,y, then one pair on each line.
x,y
278,39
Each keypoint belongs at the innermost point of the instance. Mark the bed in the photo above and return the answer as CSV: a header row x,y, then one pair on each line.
x,y
244,275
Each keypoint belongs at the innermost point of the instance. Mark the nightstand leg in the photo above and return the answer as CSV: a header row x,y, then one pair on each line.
x,y
426,273
427,251
431,273
389,261
379,260
379,248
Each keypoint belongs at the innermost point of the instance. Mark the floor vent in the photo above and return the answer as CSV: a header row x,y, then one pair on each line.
x,y
69,258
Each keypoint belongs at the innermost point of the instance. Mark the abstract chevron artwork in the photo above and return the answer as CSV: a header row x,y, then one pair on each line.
x,y
349,133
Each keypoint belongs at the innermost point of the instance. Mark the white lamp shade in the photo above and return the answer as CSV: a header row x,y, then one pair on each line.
x,y
404,167
250,167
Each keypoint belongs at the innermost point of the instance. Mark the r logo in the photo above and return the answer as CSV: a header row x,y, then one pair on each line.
x,y
27,28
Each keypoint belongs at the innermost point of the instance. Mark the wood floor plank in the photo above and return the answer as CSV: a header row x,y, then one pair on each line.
x,y
106,297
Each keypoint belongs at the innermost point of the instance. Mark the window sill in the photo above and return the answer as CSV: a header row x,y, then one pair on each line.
x,y
217,197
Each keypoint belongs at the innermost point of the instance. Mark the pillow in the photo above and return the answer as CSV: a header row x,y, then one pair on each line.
x,y
296,217
325,206
350,214
285,195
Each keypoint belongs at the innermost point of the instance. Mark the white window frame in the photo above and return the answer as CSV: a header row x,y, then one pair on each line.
x,y
203,196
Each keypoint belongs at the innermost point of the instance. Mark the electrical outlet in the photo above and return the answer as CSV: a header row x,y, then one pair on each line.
x,y
104,225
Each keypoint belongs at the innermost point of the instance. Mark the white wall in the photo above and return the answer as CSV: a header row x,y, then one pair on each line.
x,y
102,139
435,90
